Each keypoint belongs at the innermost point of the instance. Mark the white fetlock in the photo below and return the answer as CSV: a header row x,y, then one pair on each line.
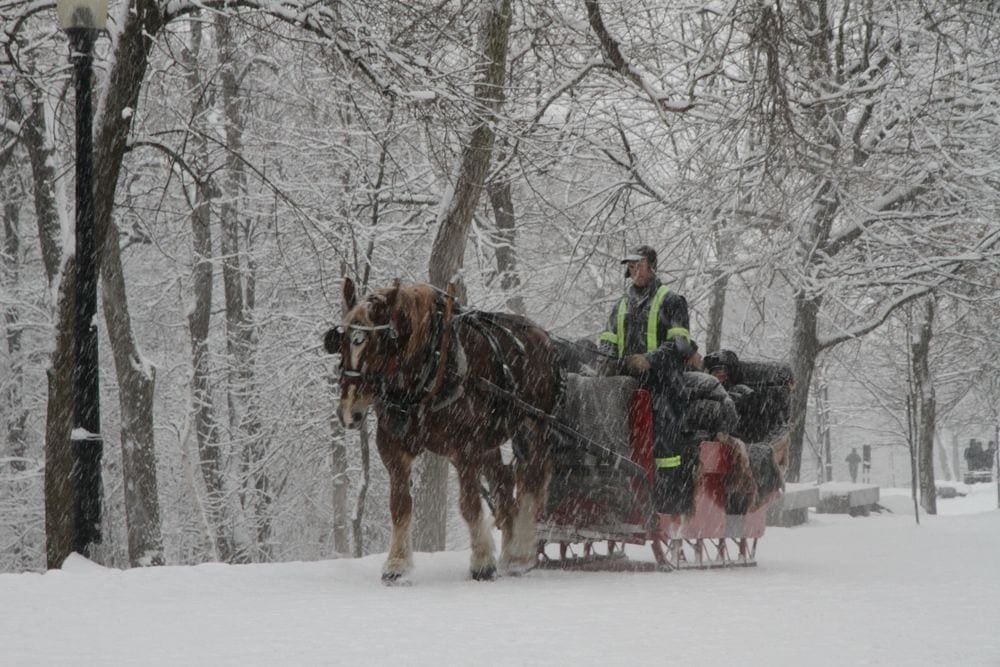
x,y
520,553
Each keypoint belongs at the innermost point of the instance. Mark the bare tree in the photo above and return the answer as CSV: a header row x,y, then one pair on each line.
x,y
454,221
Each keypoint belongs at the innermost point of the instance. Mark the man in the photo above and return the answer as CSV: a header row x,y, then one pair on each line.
x,y
853,460
650,317
648,337
974,456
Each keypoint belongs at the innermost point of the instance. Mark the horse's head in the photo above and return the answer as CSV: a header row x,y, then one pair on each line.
x,y
368,343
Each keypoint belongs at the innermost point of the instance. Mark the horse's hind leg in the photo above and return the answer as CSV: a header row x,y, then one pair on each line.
x,y
482,564
500,478
400,560
520,553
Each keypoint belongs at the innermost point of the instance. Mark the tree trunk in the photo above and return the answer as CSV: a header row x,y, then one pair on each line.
x,y
474,161
502,202
13,401
206,425
136,377
59,410
720,285
34,137
341,484
58,424
203,404
716,313
805,351
926,406
823,434
956,459
454,221
944,462
430,503
357,523
238,285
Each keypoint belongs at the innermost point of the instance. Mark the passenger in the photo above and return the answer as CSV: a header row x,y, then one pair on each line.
x,y
648,337
762,423
711,415
694,361
710,409
725,366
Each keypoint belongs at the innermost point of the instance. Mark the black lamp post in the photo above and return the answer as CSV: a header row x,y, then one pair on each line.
x,y
82,20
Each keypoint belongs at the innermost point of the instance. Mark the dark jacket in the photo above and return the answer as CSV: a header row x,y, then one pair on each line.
x,y
672,326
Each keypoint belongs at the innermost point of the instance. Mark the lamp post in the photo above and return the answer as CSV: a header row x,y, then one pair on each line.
x,y
82,20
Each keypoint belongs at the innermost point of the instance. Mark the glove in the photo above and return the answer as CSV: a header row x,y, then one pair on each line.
x,y
635,364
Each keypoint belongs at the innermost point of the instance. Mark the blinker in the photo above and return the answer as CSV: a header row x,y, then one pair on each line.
x,y
332,338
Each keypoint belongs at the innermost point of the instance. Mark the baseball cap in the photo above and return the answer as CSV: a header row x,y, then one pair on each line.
x,y
641,252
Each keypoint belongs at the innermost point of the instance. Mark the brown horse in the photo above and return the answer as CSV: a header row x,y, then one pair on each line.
x,y
458,384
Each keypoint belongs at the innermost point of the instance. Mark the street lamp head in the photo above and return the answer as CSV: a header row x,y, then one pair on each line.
x,y
82,14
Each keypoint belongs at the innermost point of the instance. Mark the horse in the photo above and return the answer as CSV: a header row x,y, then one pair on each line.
x,y
458,383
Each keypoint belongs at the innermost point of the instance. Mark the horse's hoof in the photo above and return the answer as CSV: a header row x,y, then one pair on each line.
x,y
395,579
515,567
488,573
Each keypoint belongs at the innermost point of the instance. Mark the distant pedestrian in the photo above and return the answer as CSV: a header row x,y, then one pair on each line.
x,y
853,460
977,458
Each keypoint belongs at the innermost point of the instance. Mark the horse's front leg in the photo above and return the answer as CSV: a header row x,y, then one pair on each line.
x,y
400,560
482,563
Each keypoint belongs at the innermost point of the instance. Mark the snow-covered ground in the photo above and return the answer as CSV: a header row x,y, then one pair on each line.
x,y
837,591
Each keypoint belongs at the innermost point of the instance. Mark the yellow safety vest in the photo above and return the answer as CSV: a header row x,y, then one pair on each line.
x,y
652,324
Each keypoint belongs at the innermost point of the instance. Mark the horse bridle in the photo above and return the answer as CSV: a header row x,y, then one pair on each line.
x,y
357,375
424,386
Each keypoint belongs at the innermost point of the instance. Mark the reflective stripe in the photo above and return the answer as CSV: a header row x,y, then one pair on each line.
x,y
668,461
679,331
608,337
654,318
622,309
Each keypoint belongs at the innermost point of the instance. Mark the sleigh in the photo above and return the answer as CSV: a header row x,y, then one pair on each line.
x,y
603,492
